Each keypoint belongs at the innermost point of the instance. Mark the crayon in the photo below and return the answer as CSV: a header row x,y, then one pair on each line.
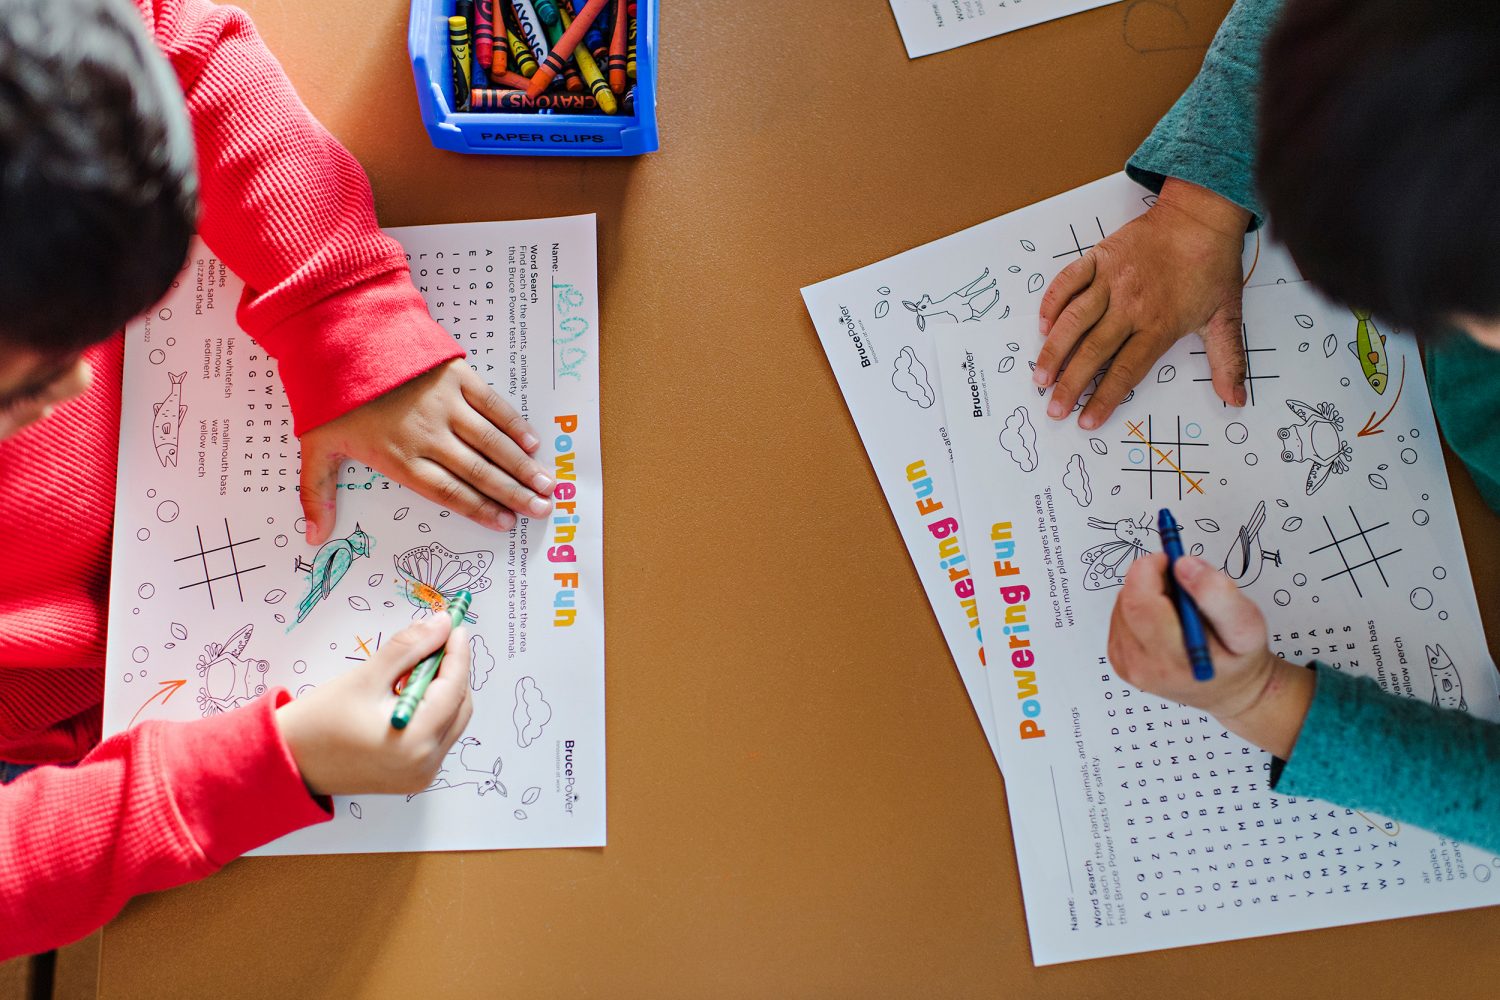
x,y
563,50
520,52
492,99
546,11
592,78
530,28
572,78
458,45
1194,637
422,674
465,10
594,39
630,50
617,63
628,101
515,81
484,32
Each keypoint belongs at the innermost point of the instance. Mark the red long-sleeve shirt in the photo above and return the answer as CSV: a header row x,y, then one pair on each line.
x,y
290,211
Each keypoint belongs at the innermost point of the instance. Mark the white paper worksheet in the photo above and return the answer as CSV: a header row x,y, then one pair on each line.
x,y
1141,824
877,326
929,26
216,597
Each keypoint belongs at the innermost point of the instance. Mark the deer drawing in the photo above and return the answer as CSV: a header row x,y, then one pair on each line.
x,y
456,772
959,304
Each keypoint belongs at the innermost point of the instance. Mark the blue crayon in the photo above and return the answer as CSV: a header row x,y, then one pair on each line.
x,y
1193,634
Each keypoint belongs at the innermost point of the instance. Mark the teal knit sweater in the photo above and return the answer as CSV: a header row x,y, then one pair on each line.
x,y
1359,747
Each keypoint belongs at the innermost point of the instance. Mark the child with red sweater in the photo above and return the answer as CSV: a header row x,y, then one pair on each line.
x,y
104,106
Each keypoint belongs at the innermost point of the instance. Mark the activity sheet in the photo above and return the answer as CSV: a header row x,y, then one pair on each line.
x,y
216,597
877,326
929,26
1141,824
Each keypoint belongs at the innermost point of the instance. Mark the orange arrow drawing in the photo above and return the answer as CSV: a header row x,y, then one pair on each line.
x,y
168,688
1370,429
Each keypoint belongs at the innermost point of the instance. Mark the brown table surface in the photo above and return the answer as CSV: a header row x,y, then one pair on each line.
x,y
801,801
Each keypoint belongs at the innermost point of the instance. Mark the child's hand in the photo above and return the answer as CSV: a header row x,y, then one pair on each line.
x,y
340,733
1253,692
446,435
1169,272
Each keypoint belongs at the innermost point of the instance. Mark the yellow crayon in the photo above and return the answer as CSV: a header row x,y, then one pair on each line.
x,y
520,52
630,51
458,43
592,78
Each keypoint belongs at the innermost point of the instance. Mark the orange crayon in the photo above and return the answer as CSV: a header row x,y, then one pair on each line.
x,y
592,77
563,50
617,76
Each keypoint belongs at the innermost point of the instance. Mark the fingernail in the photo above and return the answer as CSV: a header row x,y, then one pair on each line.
x,y
1055,409
529,441
1040,376
541,483
1239,395
1043,324
1088,421
504,521
539,507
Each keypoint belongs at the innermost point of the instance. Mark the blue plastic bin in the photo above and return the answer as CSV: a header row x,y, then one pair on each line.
x,y
560,134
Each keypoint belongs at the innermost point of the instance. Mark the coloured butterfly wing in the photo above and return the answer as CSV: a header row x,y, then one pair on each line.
x,y
432,575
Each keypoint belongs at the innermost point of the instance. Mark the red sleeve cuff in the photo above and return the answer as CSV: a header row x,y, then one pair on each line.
x,y
233,781
357,344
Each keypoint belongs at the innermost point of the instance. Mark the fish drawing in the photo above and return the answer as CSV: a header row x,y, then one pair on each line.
x,y
1447,685
1368,346
168,420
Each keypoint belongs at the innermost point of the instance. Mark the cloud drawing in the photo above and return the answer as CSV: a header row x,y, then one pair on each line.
x,y
1076,479
531,714
1019,440
910,379
480,662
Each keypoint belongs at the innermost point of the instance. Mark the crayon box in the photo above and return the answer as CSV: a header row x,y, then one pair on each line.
x,y
528,134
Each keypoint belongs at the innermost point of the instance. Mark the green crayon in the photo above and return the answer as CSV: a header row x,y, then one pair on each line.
x,y
423,673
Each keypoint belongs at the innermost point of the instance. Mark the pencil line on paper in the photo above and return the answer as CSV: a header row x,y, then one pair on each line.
x,y
1057,805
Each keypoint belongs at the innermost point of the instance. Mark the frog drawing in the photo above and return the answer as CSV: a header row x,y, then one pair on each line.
x,y
230,678
1318,439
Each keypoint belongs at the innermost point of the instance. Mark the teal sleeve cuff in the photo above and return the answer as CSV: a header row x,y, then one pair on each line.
x,y
1409,760
1208,137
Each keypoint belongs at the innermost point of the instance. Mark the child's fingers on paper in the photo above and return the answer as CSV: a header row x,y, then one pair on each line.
x,y
1093,353
432,479
1125,372
489,479
1233,617
319,491
497,410
408,647
479,433
1069,282
1077,318
1223,340
449,690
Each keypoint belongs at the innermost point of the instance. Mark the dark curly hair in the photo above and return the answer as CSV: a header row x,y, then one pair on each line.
x,y
1379,153
98,195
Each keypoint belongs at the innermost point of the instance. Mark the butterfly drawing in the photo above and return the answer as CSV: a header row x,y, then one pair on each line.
x,y
1108,561
431,575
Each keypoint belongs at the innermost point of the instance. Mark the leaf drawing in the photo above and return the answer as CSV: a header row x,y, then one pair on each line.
x,y
1207,524
1377,481
1304,321
1034,283
1330,345
1291,524
1166,373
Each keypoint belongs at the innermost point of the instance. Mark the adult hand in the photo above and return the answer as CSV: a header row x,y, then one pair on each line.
x,y
445,434
1170,272
340,733
1253,692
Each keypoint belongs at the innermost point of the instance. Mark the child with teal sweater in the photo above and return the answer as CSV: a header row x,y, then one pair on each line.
x,y
1378,156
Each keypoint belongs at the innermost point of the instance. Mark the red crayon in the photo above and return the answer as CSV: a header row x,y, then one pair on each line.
x,y
617,50
492,99
484,32
563,50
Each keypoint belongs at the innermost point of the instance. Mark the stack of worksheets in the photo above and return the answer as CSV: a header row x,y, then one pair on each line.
x,y
1138,823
